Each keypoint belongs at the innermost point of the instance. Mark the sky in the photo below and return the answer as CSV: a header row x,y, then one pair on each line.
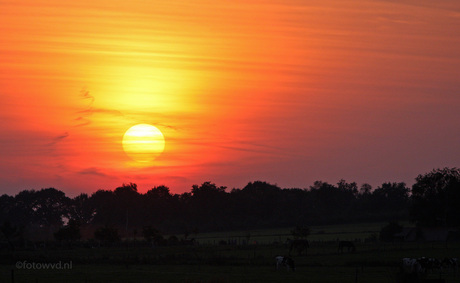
x,y
283,91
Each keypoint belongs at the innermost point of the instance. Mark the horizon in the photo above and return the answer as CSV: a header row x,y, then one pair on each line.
x,y
227,189
289,92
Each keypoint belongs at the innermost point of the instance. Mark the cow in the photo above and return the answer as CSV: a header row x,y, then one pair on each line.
x,y
300,245
411,266
346,244
428,264
286,261
450,264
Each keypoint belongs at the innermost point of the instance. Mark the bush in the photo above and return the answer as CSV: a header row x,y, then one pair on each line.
x,y
107,235
70,232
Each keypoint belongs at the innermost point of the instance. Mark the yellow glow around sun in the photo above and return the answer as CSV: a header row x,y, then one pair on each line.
x,y
143,143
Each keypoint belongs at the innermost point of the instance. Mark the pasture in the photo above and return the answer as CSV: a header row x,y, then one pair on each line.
x,y
240,256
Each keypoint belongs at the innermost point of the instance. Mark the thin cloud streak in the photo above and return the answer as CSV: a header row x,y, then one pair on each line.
x,y
93,171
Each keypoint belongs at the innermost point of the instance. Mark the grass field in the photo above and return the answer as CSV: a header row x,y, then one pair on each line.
x,y
206,262
359,231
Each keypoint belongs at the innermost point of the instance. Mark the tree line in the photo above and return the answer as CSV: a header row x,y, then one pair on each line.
x,y
434,200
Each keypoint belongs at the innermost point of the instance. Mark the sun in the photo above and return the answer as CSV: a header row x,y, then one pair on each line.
x,y
143,143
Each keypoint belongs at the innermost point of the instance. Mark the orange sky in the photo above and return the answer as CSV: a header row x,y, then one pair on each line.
x,y
287,92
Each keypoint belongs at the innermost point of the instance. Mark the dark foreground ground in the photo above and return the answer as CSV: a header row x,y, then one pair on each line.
x,y
207,262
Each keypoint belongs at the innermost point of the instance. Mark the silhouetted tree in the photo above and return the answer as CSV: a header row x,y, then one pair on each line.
x,y
365,189
127,205
160,192
103,202
207,190
208,207
364,209
50,207
70,232
259,203
39,212
22,212
163,210
11,233
152,235
392,198
107,235
81,209
331,203
436,198
350,189
6,206
294,207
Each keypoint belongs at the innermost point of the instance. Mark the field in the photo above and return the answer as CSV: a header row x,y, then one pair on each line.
x,y
248,258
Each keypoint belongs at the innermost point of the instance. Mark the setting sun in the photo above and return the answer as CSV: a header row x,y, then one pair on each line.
x,y
143,142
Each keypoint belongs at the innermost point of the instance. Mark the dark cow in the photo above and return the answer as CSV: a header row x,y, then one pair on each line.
x,y
450,264
417,268
285,261
299,245
428,264
350,246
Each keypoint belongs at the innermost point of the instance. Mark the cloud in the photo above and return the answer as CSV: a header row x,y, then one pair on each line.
x,y
84,121
83,117
84,93
92,110
92,171
59,138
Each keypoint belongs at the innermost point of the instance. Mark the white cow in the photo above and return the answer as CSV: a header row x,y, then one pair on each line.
x,y
285,261
429,264
411,266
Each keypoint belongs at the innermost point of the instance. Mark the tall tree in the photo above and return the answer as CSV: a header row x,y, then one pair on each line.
x,y
392,200
207,206
69,233
11,233
128,205
436,198
103,203
331,203
107,235
50,207
81,209
22,212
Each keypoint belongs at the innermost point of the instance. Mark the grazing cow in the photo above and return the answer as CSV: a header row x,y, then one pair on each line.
x,y
299,245
428,264
450,264
285,261
346,244
411,266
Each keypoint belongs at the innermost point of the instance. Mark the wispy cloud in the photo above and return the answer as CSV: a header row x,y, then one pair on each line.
x,y
92,171
92,110
84,93
59,138
83,118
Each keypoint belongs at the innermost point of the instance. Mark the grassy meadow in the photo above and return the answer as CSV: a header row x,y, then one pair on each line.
x,y
250,261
